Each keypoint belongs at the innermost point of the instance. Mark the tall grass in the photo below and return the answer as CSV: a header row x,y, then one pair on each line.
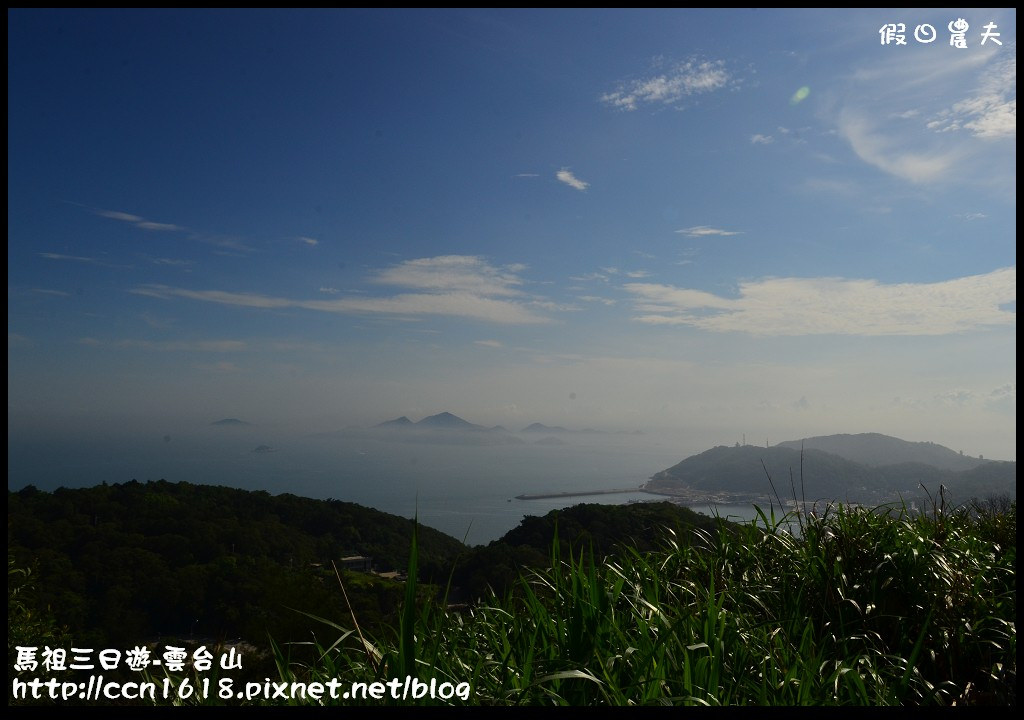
x,y
863,607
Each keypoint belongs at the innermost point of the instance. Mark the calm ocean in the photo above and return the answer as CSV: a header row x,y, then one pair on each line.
x,y
466,491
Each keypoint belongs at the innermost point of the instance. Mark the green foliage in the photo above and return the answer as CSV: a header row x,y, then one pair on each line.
x,y
637,605
28,623
605,529
121,563
865,607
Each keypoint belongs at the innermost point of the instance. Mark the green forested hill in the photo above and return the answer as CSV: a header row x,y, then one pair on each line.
x,y
129,561
742,472
133,561
863,606
604,529
876,449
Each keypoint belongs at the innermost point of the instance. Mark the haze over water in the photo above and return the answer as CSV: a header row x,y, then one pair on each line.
x,y
462,490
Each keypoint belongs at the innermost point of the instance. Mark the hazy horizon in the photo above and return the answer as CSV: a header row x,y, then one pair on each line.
x,y
697,224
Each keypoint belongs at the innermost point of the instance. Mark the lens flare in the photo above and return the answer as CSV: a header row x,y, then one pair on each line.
x,y
800,95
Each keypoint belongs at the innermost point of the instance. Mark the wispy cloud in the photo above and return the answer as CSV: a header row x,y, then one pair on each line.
x,y
329,290
564,175
637,274
957,396
589,276
670,87
596,299
1003,392
455,304
453,285
885,152
156,322
704,230
137,221
453,273
80,259
162,227
991,111
488,343
919,120
817,306
72,258
759,139
312,242
527,175
206,346
173,262
227,244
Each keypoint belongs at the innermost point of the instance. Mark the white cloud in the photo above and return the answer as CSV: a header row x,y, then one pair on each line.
x,y
453,285
1004,391
526,175
957,396
156,322
455,273
991,112
552,306
147,225
819,306
596,299
920,120
571,180
312,242
759,139
886,152
215,346
488,343
75,258
637,274
684,79
703,230
139,222
588,277
328,290
230,246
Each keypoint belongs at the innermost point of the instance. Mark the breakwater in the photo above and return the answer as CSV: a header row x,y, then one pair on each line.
x,y
544,496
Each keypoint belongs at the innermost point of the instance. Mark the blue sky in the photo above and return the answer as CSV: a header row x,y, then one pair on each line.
x,y
708,222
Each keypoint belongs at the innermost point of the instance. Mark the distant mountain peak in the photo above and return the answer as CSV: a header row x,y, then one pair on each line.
x,y
541,428
447,420
876,450
230,421
397,422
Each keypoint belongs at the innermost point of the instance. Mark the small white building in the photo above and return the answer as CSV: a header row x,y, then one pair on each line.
x,y
357,563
